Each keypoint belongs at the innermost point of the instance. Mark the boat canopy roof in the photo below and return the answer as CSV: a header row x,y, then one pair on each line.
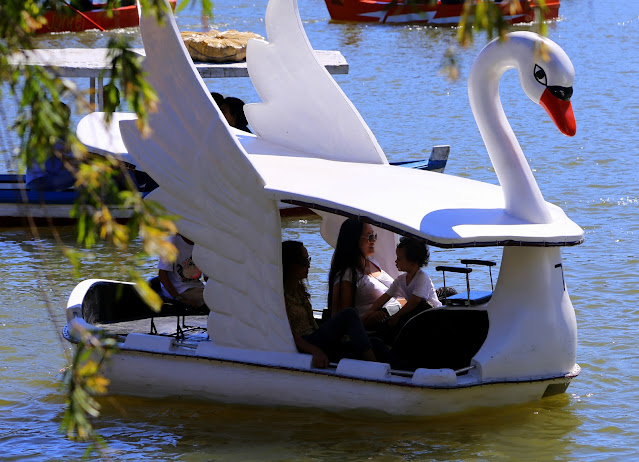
x,y
445,210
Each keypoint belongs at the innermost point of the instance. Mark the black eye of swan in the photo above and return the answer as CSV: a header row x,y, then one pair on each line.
x,y
562,93
540,75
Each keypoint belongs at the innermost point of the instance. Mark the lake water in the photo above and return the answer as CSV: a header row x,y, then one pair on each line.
x,y
395,83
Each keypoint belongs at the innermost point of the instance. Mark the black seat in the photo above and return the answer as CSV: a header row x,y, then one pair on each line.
x,y
174,308
441,338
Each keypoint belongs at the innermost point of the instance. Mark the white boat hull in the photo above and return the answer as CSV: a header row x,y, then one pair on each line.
x,y
158,375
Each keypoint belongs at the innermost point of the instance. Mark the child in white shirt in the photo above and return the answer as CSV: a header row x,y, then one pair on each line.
x,y
413,285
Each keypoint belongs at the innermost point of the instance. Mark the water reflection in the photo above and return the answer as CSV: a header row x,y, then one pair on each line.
x,y
351,35
512,433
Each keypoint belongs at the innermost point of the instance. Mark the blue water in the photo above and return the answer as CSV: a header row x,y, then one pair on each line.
x,y
395,83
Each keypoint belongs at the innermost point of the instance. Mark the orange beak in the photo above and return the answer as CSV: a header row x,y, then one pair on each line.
x,y
560,112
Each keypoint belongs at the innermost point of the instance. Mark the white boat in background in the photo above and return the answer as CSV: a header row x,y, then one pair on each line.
x,y
518,346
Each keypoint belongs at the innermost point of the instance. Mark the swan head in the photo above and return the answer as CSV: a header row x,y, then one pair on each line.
x,y
547,79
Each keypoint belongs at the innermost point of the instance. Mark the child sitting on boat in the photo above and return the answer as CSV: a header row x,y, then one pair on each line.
x,y
414,285
320,341
181,280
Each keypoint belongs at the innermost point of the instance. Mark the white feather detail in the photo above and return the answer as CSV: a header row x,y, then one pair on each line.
x,y
302,107
206,178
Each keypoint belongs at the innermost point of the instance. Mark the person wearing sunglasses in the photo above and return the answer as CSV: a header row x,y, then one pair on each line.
x,y
355,278
323,342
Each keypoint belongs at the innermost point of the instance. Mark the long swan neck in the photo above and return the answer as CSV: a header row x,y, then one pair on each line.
x,y
522,196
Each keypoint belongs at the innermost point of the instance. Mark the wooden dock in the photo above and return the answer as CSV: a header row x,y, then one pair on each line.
x,y
92,63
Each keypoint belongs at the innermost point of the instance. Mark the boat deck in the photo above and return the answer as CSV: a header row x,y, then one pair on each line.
x,y
165,326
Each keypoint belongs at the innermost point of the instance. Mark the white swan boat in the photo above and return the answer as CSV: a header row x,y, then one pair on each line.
x,y
519,346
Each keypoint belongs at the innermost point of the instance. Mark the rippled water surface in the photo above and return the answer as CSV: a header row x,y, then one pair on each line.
x,y
395,83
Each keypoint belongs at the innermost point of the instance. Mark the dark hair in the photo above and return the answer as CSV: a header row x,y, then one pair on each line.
x,y
236,108
292,254
218,98
347,256
416,250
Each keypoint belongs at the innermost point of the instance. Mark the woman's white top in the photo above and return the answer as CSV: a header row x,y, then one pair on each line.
x,y
369,288
421,286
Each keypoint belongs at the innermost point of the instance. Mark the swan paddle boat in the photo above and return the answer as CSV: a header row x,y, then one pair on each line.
x,y
69,19
516,346
438,13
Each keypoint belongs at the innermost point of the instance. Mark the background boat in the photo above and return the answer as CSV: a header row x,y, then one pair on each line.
x,y
68,19
426,12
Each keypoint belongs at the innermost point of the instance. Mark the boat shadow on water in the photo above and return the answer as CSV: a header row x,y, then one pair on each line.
x,y
238,432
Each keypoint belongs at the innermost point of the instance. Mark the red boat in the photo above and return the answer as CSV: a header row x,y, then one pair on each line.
x,y
425,12
68,19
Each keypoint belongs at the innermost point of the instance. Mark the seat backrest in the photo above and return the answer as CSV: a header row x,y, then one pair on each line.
x,y
442,338
107,302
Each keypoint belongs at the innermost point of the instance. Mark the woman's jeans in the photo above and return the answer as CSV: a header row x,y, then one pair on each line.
x,y
330,334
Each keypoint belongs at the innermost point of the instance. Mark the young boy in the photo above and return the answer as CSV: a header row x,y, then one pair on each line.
x,y
414,285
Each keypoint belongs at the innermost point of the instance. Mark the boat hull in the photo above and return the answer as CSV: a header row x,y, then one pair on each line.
x,y
68,20
156,375
388,12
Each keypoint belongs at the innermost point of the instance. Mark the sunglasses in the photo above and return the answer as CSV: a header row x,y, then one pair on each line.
x,y
371,237
305,261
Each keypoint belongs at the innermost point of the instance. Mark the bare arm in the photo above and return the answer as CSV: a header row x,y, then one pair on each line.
x,y
375,314
320,359
410,305
380,302
163,276
342,296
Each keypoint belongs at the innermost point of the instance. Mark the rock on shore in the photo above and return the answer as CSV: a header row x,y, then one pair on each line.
x,y
218,47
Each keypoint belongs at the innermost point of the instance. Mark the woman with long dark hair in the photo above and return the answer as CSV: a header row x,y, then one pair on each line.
x,y
355,278
326,340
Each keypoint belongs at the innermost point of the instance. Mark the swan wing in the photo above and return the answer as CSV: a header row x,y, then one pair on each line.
x,y
206,179
302,107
